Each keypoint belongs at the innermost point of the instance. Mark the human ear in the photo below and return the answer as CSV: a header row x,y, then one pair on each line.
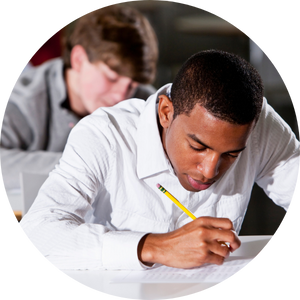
x,y
77,57
165,111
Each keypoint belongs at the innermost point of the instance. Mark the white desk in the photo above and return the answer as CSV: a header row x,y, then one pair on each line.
x,y
101,280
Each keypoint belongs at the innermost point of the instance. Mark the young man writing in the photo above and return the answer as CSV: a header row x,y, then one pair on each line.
x,y
207,138
110,56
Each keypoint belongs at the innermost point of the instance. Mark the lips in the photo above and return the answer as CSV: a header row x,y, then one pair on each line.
x,y
198,185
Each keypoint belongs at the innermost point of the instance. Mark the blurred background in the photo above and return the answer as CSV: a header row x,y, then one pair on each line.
x,y
184,30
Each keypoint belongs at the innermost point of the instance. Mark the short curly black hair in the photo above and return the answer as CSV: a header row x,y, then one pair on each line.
x,y
226,85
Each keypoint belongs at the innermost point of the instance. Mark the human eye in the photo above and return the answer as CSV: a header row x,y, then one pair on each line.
x,y
112,78
201,148
231,155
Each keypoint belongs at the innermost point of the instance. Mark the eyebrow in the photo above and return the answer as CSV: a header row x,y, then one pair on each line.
x,y
193,136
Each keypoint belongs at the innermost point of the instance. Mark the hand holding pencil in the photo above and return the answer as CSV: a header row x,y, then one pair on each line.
x,y
161,188
192,245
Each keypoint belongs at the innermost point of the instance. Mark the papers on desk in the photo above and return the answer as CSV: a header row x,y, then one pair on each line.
x,y
207,273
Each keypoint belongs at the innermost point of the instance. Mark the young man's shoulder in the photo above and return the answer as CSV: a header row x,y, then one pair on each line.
x,y
272,140
34,81
124,122
123,116
270,124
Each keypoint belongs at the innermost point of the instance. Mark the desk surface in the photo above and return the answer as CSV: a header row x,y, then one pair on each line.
x,y
101,280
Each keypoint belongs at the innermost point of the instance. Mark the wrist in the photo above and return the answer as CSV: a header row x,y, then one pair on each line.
x,y
146,250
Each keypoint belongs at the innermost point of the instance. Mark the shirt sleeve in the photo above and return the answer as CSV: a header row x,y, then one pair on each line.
x,y
56,221
279,153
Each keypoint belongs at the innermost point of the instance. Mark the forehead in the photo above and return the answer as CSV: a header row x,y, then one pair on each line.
x,y
215,133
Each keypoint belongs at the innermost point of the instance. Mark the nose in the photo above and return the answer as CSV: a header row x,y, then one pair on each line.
x,y
209,167
122,89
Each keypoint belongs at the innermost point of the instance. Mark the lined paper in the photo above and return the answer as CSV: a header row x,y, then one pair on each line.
x,y
206,273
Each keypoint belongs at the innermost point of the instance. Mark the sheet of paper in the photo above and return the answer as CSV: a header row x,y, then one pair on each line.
x,y
205,273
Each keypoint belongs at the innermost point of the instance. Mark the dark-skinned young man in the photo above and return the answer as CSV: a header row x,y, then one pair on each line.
x,y
207,138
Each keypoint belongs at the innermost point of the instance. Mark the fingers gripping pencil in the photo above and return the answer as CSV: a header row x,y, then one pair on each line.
x,y
183,208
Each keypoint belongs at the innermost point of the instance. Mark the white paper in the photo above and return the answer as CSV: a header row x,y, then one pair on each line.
x,y
206,273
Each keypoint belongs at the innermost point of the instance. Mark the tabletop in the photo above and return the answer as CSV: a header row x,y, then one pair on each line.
x,y
101,280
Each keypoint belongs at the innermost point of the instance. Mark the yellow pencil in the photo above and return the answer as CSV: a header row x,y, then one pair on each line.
x,y
176,201
161,188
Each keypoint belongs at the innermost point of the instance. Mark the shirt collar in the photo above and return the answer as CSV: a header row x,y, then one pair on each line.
x,y
151,157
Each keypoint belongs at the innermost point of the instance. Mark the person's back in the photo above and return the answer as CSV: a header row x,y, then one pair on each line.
x,y
110,56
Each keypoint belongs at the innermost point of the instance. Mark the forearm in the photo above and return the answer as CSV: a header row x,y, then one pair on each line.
x,y
165,250
155,248
67,236
145,253
71,243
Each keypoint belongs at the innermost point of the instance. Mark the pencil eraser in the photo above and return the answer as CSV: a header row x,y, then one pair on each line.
x,y
158,185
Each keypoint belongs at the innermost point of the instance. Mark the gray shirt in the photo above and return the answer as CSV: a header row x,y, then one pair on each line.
x,y
36,122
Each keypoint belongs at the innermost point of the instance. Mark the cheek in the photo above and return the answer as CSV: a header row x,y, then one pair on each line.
x,y
94,84
182,157
97,90
93,92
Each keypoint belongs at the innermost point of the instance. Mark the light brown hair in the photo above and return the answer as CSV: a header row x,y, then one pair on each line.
x,y
119,36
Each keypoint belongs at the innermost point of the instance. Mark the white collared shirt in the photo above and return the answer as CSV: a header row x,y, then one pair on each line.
x,y
102,197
